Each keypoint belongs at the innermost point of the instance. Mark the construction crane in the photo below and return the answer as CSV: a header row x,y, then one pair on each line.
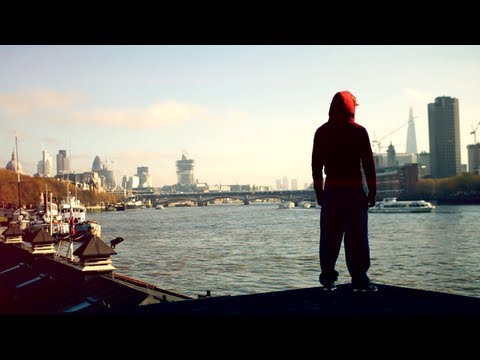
x,y
474,132
379,141
476,167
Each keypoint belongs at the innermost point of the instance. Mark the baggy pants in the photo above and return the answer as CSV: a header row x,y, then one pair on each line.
x,y
344,215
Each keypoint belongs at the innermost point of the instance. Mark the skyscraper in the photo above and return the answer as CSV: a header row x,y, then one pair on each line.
x,y
411,135
145,179
444,137
106,175
278,184
284,183
97,164
294,184
63,163
185,171
473,158
44,166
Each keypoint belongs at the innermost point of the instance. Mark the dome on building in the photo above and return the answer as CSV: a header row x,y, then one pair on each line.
x,y
97,164
12,164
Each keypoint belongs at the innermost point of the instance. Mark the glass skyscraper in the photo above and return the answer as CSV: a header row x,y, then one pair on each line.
x,y
444,137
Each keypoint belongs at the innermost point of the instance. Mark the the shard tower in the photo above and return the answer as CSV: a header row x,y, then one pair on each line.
x,y
411,137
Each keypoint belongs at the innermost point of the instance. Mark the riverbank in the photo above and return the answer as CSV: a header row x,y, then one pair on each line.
x,y
30,188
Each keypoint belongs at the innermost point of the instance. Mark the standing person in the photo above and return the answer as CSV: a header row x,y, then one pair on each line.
x,y
342,150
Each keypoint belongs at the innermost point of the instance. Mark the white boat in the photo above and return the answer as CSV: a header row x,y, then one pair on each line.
x,y
305,204
132,203
59,228
392,205
51,210
159,207
73,207
286,205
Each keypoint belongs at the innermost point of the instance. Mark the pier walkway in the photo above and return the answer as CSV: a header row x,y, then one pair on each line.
x,y
388,302
42,285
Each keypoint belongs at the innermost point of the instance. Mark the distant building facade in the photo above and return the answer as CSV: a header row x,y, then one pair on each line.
x,y
423,160
97,164
106,176
411,135
398,181
444,136
278,184
63,162
144,178
185,171
125,182
14,165
294,185
133,182
474,158
45,166
391,156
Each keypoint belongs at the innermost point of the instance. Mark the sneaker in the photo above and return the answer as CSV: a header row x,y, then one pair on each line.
x,y
327,279
367,288
330,286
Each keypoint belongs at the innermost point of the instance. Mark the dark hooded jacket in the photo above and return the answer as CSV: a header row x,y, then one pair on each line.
x,y
341,148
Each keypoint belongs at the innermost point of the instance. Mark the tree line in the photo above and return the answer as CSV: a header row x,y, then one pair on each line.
x,y
461,189
31,189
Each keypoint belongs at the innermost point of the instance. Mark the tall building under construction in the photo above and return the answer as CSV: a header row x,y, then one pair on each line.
x,y
185,170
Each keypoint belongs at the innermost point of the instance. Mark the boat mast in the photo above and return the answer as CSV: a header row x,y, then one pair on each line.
x,y
51,213
18,176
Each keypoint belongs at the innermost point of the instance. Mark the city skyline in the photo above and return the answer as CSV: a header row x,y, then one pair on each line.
x,y
245,114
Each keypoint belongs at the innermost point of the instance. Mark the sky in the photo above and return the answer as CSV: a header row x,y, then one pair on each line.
x,y
246,114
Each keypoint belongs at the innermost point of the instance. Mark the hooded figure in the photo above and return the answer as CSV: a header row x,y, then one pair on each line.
x,y
342,150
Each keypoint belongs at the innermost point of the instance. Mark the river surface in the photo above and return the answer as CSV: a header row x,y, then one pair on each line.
x,y
244,249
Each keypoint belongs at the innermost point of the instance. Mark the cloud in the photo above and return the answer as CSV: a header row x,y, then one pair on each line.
x,y
27,102
163,113
143,155
62,105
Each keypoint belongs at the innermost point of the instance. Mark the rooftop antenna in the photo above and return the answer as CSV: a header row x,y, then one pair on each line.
x,y
70,155
475,150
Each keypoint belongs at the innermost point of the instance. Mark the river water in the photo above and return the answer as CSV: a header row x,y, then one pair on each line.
x,y
244,249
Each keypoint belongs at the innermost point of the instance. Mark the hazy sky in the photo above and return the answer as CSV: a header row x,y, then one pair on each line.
x,y
245,114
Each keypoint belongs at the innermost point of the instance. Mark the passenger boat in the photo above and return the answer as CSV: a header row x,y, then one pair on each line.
x,y
392,205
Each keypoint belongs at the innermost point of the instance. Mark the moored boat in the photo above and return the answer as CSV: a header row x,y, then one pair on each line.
x,y
286,205
305,204
73,208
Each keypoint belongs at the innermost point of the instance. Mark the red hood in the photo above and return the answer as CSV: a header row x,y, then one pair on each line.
x,y
342,108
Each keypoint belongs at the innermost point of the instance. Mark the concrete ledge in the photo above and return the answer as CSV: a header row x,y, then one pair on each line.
x,y
387,302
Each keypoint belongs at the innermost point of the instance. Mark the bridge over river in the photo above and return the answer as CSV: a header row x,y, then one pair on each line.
x,y
203,199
